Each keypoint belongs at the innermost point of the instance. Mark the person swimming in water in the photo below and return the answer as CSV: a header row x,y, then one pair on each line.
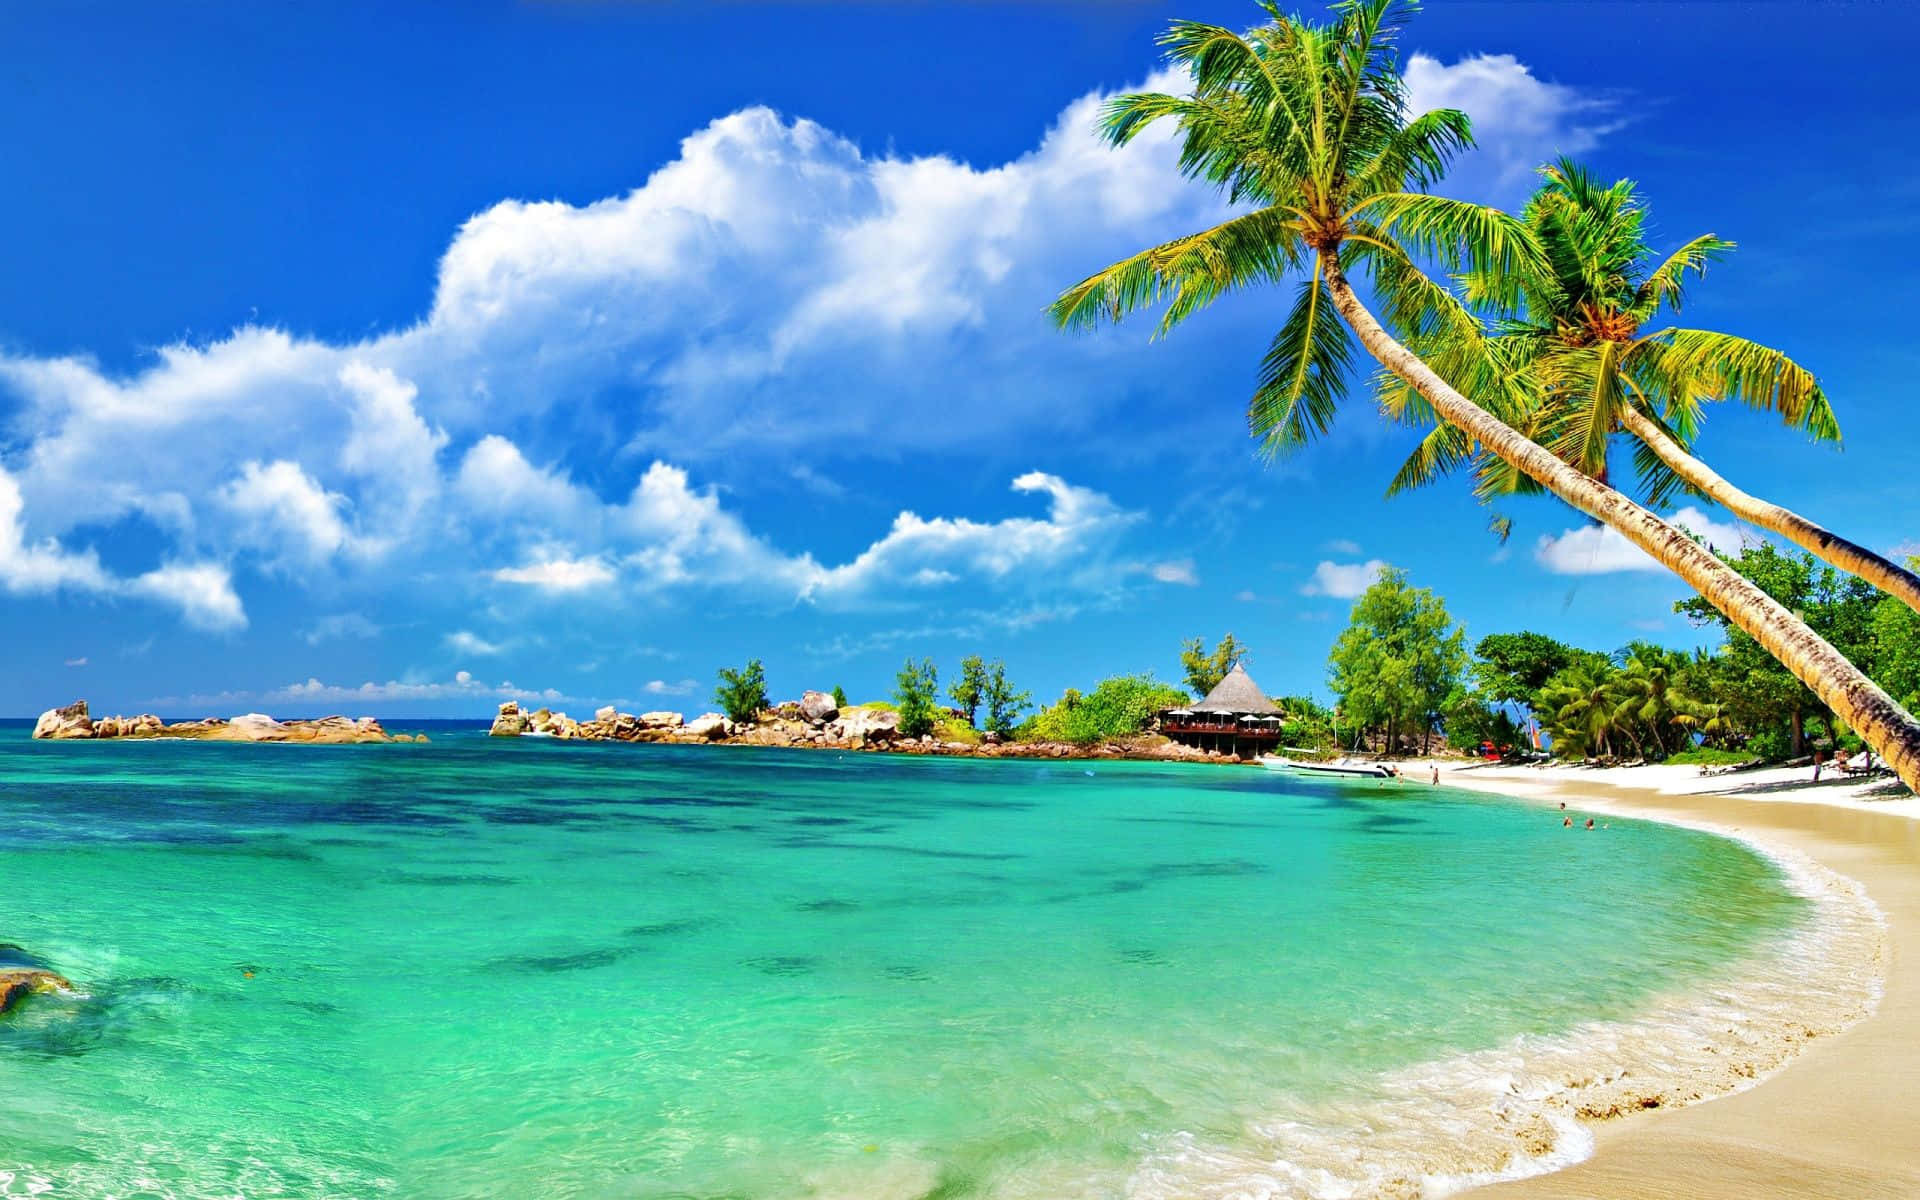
x,y
1567,823
1589,822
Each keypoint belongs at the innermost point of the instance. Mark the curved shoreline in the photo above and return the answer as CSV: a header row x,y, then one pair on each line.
x,y
1838,1123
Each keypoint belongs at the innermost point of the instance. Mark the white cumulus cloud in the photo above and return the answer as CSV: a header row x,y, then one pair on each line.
x,y
1343,581
823,300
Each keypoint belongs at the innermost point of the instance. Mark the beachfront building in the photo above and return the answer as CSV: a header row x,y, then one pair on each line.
x,y
1235,718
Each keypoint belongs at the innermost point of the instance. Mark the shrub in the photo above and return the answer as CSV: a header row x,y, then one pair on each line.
x,y
953,729
839,696
743,693
1119,707
1709,756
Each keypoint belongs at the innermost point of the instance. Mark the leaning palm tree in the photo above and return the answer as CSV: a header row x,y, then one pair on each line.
x,y
1305,126
1573,366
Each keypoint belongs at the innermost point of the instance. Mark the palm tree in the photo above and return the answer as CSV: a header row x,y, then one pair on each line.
x,y
1647,696
1580,710
1573,367
1305,126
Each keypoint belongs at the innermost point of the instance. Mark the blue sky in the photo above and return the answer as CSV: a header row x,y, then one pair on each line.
x,y
402,359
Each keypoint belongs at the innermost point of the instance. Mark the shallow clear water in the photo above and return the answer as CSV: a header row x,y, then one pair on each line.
x,y
477,969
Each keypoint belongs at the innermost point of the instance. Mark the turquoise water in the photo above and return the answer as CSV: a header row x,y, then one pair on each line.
x,y
478,969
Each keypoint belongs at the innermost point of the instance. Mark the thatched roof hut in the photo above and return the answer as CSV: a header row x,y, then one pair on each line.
x,y
1238,693
1236,718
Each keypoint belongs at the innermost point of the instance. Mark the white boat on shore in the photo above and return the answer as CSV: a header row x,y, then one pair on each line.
x,y
1339,768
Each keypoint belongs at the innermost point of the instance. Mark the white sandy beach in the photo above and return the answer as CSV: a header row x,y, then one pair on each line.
x,y
1839,1120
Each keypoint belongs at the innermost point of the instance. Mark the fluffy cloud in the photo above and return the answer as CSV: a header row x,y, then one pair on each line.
x,y
558,574
1519,120
1601,550
202,592
660,687
894,305
1343,581
285,513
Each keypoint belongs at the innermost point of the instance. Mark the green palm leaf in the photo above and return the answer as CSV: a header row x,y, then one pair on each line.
x,y
1303,374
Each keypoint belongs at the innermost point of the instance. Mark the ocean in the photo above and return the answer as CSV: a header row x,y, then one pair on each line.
x,y
483,968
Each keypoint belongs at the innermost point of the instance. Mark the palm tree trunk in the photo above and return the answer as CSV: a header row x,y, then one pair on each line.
x,y
1890,577
1886,726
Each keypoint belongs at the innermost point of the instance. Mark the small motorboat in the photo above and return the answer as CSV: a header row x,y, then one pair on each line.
x,y
1339,768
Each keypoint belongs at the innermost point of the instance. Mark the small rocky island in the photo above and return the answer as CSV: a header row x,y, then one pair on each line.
x,y
815,721
74,723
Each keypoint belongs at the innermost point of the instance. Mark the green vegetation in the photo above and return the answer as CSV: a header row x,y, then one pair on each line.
x,y
917,690
1304,128
1204,671
1398,661
1760,699
971,688
953,729
839,696
1004,704
1118,707
1710,756
1307,725
742,694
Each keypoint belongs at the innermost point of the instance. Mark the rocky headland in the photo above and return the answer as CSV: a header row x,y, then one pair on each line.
x,y
73,723
816,722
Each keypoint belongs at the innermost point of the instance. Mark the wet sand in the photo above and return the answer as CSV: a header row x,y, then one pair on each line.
x,y
1842,1120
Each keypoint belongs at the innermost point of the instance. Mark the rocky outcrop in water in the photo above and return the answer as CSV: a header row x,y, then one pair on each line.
x,y
73,722
23,974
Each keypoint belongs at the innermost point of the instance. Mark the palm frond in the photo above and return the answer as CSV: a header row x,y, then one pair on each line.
x,y
1188,273
1760,377
1458,235
1443,451
1303,374
1666,285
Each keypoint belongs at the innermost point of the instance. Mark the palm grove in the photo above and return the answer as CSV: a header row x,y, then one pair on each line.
x,y
1523,349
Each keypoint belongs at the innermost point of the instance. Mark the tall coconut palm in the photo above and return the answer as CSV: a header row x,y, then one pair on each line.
x,y
1574,366
1305,126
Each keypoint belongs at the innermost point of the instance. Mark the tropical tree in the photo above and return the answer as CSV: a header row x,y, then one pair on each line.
x,y
971,687
1648,700
1205,670
915,690
1004,704
1510,668
742,693
1305,128
1399,660
1577,366
1580,710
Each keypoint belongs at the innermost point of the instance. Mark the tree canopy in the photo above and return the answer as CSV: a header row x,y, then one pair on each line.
x,y
1205,670
1398,659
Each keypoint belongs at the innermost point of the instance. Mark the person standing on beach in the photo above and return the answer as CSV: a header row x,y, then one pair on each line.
x,y
1436,773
